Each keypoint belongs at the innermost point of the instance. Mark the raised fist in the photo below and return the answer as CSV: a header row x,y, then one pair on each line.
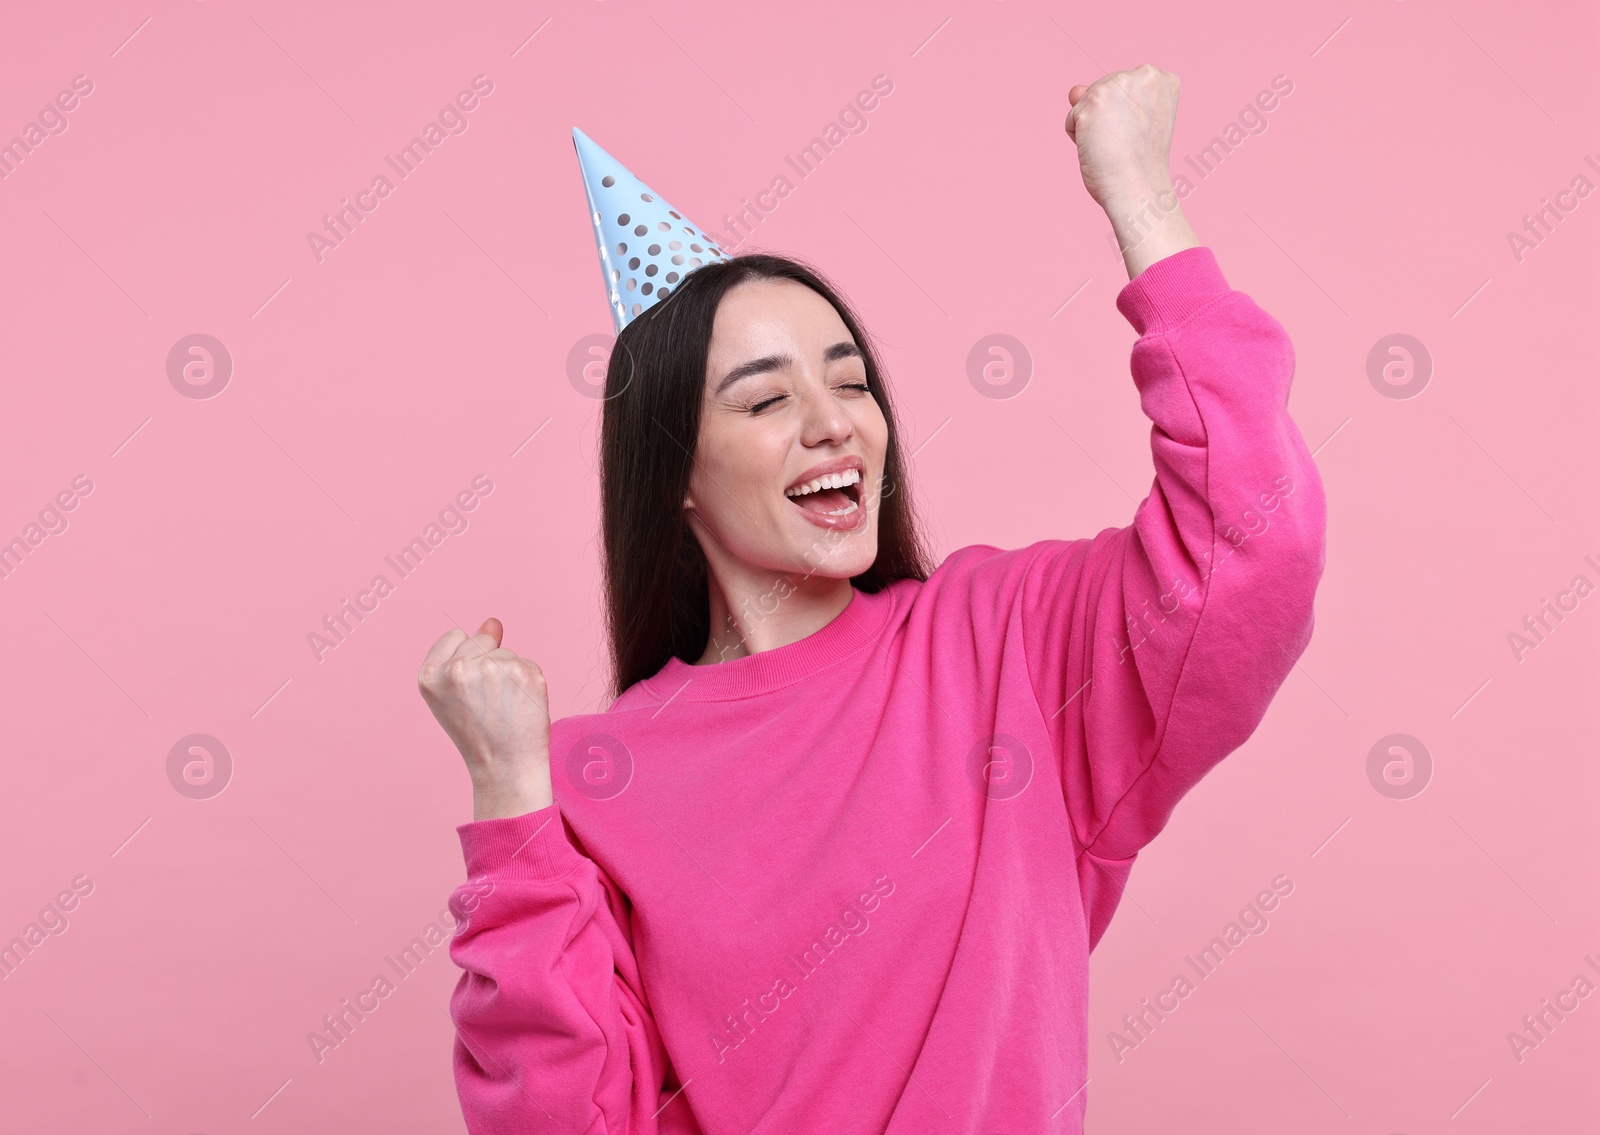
x,y
492,703
1122,125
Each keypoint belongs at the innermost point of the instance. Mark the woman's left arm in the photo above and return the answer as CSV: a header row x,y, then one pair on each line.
x,y
1159,646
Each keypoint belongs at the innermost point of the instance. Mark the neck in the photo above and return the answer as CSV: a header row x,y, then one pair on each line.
x,y
755,609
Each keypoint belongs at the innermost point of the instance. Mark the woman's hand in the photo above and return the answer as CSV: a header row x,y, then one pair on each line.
x,y
1122,125
492,704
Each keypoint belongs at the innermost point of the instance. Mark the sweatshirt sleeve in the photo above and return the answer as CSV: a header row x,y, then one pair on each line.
x,y
1155,649
553,1031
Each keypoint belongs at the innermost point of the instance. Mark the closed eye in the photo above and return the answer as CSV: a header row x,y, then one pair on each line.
x,y
757,407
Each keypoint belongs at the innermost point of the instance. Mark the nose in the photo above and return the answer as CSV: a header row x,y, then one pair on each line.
x,y
824,419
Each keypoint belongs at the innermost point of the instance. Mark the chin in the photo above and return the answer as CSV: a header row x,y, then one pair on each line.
x,y
842,561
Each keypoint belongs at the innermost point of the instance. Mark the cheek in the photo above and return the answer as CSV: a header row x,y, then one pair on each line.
x,y
877,428
873,429
734,472
869,419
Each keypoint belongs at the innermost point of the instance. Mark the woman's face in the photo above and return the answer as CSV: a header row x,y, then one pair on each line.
x,y
787,410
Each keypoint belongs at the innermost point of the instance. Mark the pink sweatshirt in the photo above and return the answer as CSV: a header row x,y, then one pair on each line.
x,y
851,884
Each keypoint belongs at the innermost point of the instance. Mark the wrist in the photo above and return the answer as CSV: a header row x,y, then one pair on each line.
x,y
1150,228
1148,200
503,797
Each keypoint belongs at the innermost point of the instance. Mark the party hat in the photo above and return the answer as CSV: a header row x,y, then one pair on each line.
x,y
646,246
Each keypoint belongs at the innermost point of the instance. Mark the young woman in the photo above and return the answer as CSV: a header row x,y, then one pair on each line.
x,y
836,856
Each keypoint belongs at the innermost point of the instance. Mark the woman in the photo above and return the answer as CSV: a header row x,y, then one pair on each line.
x,y
836,856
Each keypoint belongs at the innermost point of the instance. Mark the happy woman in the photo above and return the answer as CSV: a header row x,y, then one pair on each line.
x,y
836,855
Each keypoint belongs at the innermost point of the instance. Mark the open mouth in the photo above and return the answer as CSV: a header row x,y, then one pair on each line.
x,y
833,494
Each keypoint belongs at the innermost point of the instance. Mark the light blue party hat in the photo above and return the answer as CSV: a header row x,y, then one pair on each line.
x,y
646,246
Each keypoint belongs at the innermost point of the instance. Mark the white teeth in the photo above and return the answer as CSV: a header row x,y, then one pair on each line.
x,y
827,481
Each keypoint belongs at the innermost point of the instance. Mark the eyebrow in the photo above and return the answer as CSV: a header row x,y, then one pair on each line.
x,y
841,350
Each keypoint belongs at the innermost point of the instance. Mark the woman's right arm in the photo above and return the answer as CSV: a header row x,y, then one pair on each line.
x,y
553,1029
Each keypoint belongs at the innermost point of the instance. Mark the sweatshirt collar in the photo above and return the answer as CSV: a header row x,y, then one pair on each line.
x,y
851,630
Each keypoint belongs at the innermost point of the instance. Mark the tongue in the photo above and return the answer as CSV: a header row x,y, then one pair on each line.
x,y
823,500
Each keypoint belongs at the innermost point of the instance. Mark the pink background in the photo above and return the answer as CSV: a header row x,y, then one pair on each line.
x,y
370,388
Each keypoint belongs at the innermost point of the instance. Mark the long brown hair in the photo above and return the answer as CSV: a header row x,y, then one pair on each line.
x,y
657,604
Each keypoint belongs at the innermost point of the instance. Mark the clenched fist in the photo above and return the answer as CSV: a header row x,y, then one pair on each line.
x,y
492,703
1122,126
